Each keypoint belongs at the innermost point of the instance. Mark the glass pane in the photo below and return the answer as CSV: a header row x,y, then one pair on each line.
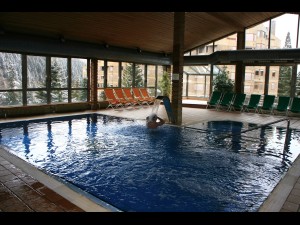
x,y
79,95
151,91
298,46
79,73
273,80
10,71
59,96
36,72
254,80
101,95
284,31
160,72
100,78
227,43
140,75
203,50
11,98
297,94
59,74
36,97
196,85
127,71
151,76
223,78
284,82
257,37
184,82
112,74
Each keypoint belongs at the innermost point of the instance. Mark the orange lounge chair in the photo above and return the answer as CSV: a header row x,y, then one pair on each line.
x,y
138,96
146,95
113,102
121,98
130,98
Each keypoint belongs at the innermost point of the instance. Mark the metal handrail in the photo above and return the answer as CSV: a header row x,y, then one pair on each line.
x,y
264,125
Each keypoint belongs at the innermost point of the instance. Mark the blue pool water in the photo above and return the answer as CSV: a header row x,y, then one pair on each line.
x,y
175,169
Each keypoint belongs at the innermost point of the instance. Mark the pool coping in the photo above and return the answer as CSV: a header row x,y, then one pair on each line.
x,y
280,193
73,194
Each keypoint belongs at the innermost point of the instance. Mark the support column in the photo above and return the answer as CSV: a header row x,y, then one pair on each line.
x,y
24,79
240,68
211,79
267,75
239,77
94,72
69,72
88,80
177,77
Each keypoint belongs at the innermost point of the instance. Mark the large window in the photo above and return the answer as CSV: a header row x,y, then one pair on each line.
x,y
254,80
151,79
257,37
227,43
59,80
196,81
79,80
284,31
112,74
10,79
42,80
100,81
36,80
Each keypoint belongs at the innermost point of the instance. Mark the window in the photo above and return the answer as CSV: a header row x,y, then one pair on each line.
x,y
11,79
256,72
79,80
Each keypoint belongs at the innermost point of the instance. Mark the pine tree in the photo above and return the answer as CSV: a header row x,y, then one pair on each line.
x,y
223,83
288,43
298,84
83,93
56,82
12,98
285,73
165,84
128,76
139,76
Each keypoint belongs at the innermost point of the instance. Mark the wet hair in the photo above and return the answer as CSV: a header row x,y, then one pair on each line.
x,y
152,116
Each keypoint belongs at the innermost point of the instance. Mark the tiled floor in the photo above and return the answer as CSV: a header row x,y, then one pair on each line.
x,y
19,192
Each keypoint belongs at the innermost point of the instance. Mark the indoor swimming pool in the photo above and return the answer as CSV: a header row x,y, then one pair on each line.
x,y
203,168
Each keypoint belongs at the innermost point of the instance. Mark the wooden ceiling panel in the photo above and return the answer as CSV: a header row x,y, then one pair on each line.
x,y
149,31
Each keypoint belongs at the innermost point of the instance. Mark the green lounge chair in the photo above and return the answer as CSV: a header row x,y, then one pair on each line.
x,y
226,100
282,106
214,99
238,102
253,103
267,104
295,106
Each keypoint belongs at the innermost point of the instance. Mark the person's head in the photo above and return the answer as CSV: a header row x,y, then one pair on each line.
x,y
152,117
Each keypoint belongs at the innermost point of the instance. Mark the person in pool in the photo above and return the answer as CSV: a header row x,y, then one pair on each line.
x,y
153,121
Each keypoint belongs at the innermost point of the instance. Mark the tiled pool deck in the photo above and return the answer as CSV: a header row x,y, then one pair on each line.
x,y
25,189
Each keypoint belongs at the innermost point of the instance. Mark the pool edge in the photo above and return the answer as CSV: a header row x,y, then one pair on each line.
x,y
83,202
280,193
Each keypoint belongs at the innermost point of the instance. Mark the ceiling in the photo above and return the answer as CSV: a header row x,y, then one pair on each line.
x,y
149,31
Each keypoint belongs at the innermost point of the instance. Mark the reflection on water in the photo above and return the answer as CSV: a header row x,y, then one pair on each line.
x,y
167,169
